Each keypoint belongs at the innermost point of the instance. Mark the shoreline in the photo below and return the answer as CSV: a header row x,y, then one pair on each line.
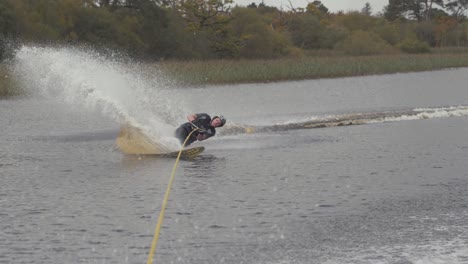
x,y
219,72
200,73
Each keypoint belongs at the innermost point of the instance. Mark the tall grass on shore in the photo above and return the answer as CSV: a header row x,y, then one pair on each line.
x,y
250,71
245,71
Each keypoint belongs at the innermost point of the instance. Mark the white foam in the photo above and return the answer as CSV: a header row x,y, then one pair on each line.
x,y
435,252
427,113
419,113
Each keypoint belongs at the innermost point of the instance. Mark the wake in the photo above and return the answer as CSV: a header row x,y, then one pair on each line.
x,y
352,119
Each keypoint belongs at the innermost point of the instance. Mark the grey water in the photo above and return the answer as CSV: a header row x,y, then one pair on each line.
x,y
383,192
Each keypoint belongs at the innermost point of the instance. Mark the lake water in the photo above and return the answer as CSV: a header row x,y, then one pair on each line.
x,y
392,190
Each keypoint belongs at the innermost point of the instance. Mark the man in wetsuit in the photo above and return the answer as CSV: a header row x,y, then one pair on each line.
x,y
203,124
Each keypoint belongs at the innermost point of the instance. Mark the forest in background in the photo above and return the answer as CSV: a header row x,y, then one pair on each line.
x,y
218,29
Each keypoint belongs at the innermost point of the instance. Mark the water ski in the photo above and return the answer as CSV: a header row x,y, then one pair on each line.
x,y
190,153
134,141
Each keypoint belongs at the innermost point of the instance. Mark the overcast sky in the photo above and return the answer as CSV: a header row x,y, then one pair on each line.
x,y
332,5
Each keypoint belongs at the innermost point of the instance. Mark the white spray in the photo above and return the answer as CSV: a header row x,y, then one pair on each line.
x,y
125,92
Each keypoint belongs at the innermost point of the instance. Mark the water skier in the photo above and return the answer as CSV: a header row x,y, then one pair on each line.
x,y
204,126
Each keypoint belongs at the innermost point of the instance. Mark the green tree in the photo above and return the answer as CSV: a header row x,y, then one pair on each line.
x,y
36,20
363,43
356,21
7,19
415,9
209,19
256,38
318,5
143,25
424,32
414,46
390,32
457,8
200,14
306,31
7,29
367,9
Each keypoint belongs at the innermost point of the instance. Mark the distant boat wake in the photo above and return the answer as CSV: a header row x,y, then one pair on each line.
x,y
351,119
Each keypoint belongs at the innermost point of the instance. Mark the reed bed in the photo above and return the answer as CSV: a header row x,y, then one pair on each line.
x,y
247,71
197,73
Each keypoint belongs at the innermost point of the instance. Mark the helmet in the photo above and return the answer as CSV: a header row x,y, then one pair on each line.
x,y
223,120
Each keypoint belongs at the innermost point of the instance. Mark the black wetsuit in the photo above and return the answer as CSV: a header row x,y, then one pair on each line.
x,y
203,122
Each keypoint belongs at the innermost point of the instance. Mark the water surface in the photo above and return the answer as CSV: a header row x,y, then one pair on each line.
x,y
387,191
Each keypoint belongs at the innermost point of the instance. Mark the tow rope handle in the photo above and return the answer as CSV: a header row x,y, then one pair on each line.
x,y
197,128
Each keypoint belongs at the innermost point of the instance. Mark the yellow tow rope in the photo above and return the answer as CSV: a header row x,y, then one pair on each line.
x,y
163,208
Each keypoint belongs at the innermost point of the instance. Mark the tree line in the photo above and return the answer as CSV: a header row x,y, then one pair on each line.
x,y
210,29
